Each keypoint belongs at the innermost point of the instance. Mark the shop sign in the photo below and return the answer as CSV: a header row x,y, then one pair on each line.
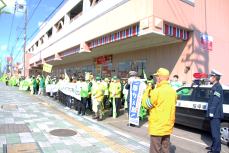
x,y
104,59
206,42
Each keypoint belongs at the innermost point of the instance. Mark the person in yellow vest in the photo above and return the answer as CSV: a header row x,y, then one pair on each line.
x,y
115,90
97,99
162,105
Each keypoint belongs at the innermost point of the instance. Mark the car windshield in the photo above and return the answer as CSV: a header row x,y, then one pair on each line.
x,y
185,93
199,94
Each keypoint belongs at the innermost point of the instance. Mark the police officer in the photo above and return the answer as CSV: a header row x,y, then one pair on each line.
x,y
215,111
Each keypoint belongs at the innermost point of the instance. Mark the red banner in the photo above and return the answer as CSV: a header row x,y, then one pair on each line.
x,y
104,59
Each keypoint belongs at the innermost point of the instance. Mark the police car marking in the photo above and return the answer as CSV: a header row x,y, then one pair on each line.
x,y
192,104
199,105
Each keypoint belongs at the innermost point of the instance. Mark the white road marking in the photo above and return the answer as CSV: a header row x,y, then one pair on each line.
x,y
200,143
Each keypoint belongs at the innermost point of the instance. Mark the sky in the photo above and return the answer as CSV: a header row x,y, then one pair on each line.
x,y
11,26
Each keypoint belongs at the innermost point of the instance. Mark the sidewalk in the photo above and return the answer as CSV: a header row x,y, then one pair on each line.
x,y
118,125
28,120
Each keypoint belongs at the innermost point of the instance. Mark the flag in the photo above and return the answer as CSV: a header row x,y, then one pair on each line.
x,y
206,42
144,74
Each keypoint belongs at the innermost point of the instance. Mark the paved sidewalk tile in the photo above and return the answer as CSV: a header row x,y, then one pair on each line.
x,y
41,117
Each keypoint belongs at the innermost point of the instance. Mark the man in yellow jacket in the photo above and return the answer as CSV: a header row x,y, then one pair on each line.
x,y
161,103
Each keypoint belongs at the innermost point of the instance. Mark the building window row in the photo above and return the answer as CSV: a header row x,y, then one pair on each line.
x,y
73,14
94,2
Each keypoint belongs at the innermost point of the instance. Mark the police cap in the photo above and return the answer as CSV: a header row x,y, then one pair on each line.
x,y
215,73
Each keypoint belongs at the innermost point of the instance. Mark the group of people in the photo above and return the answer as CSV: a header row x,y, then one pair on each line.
x,y
161,103
159,98
98,95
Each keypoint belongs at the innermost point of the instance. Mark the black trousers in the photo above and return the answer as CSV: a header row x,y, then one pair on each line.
x,y
215,132
105,101
82,105
89,103
117,106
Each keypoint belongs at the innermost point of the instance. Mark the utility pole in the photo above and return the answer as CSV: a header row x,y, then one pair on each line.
x,y
25,35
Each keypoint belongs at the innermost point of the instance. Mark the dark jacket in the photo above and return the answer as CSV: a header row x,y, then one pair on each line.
x,y
215,103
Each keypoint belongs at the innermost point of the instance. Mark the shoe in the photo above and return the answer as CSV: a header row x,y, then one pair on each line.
x,y
132,125
208,148
99,119
95,117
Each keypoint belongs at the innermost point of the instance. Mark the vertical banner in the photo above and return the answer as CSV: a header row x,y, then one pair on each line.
x,y
136,91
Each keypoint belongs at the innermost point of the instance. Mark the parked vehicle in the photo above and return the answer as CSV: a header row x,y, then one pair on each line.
x,y
192,105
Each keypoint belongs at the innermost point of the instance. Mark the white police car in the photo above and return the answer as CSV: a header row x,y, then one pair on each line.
x,y
192,105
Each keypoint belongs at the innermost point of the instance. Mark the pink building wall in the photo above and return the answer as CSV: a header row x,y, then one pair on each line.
x,y
205,16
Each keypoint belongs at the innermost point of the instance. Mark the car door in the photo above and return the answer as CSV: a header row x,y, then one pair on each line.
x,y
200,105
184,114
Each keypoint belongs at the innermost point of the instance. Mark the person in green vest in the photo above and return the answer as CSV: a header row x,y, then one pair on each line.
x,y
34,85
89,100
41,85
84,97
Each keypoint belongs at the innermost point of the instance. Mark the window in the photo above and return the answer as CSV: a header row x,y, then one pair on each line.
x,y
42,39
59,25
106,70
123,69
36,44
94,2
141,67
49,33
202,94
185,93
226,96
76,11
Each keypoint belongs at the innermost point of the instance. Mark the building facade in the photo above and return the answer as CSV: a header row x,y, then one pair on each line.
x,y
112,37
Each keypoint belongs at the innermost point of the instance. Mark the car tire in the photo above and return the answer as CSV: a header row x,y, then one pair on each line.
x,y
224,133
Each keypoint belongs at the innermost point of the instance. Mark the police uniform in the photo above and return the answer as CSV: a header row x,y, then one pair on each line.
x,y
215,113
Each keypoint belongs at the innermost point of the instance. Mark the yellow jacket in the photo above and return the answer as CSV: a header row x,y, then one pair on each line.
x,y
99,92
162,106
115,90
